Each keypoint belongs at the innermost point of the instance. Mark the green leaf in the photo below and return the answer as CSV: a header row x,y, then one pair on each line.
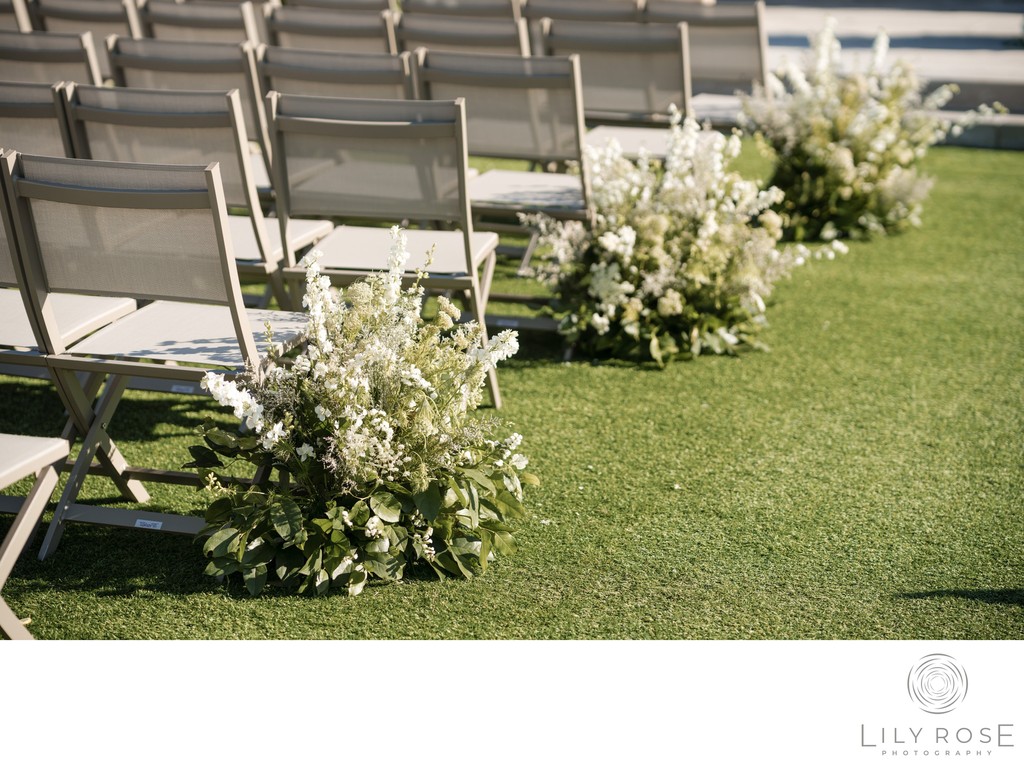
x,y
386,506
360,513
255,578
222,438
203,457
356,582
220,543
288,562
504,544
428,502
286,517
479,477
528,478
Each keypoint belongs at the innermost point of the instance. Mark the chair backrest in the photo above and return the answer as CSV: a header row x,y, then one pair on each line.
x,y
166,64
199,22
149,232
32,118
461,33
518,108
583,10
375,159
632,72
101,17
48,57
180,127
331,30
14,16
496,9
346,5
325,73
728,43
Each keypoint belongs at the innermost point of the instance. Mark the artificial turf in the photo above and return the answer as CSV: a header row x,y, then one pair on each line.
x,y
862,480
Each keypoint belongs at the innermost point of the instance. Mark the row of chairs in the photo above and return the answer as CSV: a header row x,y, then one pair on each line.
x,y
151,248
721,50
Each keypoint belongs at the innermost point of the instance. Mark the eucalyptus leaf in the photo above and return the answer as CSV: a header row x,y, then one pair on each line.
x,y
428,502
386,507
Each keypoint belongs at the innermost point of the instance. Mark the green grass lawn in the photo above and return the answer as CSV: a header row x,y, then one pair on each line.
x,y
863,480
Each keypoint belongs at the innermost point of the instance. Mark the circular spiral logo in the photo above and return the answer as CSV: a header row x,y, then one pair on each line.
x,y
937,683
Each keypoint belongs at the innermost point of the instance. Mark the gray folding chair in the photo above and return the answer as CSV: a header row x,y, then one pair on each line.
x,y
149,232
632,72
728,52
48,57
189,128
461,33
495,9
516,108
325,73
101,17
383,160
14,16
21,457
199,22
167,64
330,30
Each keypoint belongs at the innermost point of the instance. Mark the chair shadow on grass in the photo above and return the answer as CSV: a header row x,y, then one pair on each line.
x,y
1011,596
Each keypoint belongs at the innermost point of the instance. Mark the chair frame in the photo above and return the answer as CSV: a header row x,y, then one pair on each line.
x,y
313,20
22,17
65,362
453,41
176,16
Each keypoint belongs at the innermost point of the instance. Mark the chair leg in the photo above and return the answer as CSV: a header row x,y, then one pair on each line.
x,y
79,403
93,443
16,540
476,298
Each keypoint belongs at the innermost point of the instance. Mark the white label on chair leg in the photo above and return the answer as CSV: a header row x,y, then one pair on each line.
x,y
144,524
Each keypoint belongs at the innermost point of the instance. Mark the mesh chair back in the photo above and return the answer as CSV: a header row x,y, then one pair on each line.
x,y
48,57
199,22
14,16
520,108
632,72
346,5
495,9
583,10
163,126
330,30
165,64
101,17
458,33
325,73
31,119
728,43
374,159
127,230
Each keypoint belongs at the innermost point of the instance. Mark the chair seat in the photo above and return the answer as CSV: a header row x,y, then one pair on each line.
x,y
512,191
719,109
365,249
22,456
301,232
188,333
654,141
77,316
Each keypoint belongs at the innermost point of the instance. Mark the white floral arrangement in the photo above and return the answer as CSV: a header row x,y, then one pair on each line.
x,y
381,461
847,146
681,259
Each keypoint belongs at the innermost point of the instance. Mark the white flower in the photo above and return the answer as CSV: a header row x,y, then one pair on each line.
x,y
322,412
273,436
304,452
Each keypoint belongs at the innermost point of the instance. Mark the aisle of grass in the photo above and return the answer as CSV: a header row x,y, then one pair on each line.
x,y
863,480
